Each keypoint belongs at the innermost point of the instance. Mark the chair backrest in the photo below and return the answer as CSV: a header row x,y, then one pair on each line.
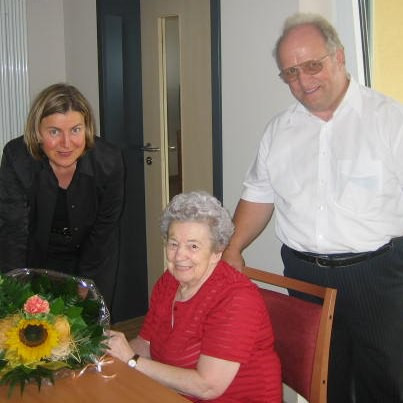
x,y
302,331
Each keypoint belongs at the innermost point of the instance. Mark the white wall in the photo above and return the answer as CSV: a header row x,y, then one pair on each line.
x,y
252,92
46,50
346,19
62,46
316,6
80,33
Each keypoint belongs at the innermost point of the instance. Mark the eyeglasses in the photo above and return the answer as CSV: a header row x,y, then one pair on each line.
x,y
310,67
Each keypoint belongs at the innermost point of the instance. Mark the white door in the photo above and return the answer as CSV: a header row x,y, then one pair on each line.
x,y
176,69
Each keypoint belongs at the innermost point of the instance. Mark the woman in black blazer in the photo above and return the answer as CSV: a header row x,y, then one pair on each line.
x,y
61,192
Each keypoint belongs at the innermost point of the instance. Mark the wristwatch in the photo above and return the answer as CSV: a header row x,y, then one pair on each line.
x,y
132,363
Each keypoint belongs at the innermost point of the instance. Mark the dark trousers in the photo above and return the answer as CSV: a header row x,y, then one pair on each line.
x,y
366,357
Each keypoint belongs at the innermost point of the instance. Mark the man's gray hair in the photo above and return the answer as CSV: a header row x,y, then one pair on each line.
x,y
327,30
199,207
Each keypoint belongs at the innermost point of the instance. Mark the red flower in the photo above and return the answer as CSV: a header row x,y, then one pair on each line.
x,y
36,304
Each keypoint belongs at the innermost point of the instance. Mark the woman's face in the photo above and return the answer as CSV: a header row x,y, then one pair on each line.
x,y
62,138
190,254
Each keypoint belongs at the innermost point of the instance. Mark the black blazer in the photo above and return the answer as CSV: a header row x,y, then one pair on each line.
x,y
28,194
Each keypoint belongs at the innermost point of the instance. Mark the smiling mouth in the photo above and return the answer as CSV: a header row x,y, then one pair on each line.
x,y
182,267
311,90
65,153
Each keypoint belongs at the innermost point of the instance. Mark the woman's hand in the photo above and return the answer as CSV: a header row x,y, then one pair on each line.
x,y
118,346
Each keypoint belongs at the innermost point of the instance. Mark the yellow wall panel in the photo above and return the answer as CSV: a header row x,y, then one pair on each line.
x,y
387,67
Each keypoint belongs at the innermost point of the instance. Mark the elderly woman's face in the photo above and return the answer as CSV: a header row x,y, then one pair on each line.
x,y
62,138
190,254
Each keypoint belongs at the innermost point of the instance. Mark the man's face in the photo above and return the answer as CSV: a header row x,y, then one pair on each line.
x,y
320,93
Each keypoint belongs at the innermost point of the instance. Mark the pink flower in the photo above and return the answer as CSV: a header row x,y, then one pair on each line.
x,y
36,304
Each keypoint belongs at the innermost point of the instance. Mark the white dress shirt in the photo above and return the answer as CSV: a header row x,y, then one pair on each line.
x,y
336,185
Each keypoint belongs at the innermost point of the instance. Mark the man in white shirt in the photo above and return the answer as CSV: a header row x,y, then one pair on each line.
x,y
331,165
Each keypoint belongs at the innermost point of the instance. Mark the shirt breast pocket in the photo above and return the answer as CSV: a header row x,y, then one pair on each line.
x,y
358,184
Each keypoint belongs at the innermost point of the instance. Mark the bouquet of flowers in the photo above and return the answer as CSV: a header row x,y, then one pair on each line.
x,y
49,322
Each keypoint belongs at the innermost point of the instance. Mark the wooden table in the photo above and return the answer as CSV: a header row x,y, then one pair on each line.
x,y
128,385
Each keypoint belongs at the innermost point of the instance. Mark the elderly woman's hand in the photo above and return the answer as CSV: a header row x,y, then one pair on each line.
x,y
118,346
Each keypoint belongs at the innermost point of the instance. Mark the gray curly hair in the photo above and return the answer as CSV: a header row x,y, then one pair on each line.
x,y
326,29
199,206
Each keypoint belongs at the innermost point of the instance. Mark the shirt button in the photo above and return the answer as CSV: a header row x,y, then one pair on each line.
x,y
77,246
73,206
76,229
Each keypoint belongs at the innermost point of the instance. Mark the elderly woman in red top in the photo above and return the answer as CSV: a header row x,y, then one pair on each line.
x,y
207,333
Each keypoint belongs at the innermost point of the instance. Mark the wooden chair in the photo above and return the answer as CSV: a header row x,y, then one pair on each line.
x,y
302,332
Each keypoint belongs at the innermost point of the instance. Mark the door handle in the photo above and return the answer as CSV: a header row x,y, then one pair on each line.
x,y
149,148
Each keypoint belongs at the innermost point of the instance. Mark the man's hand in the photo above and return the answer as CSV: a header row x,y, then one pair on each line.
x,y
234,258
250,219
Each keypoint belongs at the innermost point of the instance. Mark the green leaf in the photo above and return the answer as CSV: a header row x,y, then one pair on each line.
x,y
22,375
77,324
74,312
57,306
13,295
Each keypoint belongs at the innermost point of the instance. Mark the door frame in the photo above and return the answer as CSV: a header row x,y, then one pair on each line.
x,y
215,15
125,284
216,82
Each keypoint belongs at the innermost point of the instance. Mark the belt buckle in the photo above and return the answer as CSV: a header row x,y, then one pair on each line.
x,y
319,260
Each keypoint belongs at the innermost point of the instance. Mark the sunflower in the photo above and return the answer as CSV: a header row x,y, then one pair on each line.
x,y
32,340
5,325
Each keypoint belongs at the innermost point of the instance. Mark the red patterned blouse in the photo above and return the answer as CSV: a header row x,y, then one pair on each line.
x,y
226,319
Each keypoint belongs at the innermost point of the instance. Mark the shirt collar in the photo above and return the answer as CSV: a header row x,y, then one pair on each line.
x,y
352,98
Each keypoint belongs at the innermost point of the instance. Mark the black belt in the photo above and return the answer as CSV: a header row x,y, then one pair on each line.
x,y
343,259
